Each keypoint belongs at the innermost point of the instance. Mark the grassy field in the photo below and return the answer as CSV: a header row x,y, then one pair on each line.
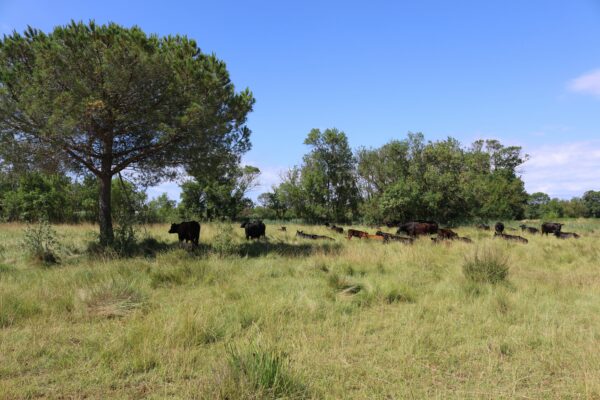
x,y
291,318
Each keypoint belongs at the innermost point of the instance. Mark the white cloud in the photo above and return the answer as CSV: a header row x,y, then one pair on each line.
x,y
563,170
587,83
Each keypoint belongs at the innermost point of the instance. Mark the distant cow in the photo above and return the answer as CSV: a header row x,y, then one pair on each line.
x,y
312,236
336,229
566,235
446,234
254,229
396,238
188,231
529,229
499,227
551,227
511,237
483,227
355,233
417,228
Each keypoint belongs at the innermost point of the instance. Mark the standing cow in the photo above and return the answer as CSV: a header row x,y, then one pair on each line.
x,y
254,230
499,227
188,231
551,227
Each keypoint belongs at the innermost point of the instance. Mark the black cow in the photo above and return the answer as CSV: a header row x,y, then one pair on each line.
x,y
188,231
566,235
417,228
551,227
499,227
511,237
389,236
529,229
312,236
254,229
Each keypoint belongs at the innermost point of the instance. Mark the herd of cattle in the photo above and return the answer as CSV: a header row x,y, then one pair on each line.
x,y
190,232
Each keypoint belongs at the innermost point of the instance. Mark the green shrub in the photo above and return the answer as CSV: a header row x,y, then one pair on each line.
x,y
41,243
224,242
486,266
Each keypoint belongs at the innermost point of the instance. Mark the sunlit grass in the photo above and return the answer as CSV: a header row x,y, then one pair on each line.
x,y
295,318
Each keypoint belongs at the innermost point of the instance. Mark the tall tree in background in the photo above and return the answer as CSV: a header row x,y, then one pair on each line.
x,y
109,99
221,197
329,176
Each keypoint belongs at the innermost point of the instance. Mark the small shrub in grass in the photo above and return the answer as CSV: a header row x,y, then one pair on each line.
x,y
400,295
224,241
486,266
265,372
113,298
343,285
41,243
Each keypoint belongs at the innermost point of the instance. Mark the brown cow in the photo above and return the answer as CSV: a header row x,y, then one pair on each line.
x,y
446,234
356,233
417,228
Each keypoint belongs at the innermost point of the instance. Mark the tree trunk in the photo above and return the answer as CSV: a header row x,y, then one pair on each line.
x,y
105,216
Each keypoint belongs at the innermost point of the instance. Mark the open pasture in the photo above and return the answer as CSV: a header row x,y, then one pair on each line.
x,y
297,318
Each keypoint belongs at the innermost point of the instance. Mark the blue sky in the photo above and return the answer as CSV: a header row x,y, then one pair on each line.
x,y
524,72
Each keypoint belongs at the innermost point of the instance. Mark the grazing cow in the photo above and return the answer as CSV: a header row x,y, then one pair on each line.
x,y
417,228
483,227
511,237
446,234
188,231
566,235
254,229
529,229
388,236
499,227
551,227
283,229
355,233
312,236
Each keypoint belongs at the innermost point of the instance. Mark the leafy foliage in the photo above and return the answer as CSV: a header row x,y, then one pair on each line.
x,y
104,99
41,242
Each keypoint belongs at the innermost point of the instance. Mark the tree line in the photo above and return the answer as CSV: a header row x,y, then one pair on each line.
x,y
402,180
412,179
90,115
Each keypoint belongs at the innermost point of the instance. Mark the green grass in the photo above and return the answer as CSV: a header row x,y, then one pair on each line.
x,y
292,318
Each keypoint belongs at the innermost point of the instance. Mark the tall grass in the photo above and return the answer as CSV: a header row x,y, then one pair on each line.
x,y
291,318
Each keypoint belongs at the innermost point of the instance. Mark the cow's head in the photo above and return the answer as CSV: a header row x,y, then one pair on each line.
x,y
174,228
243,225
